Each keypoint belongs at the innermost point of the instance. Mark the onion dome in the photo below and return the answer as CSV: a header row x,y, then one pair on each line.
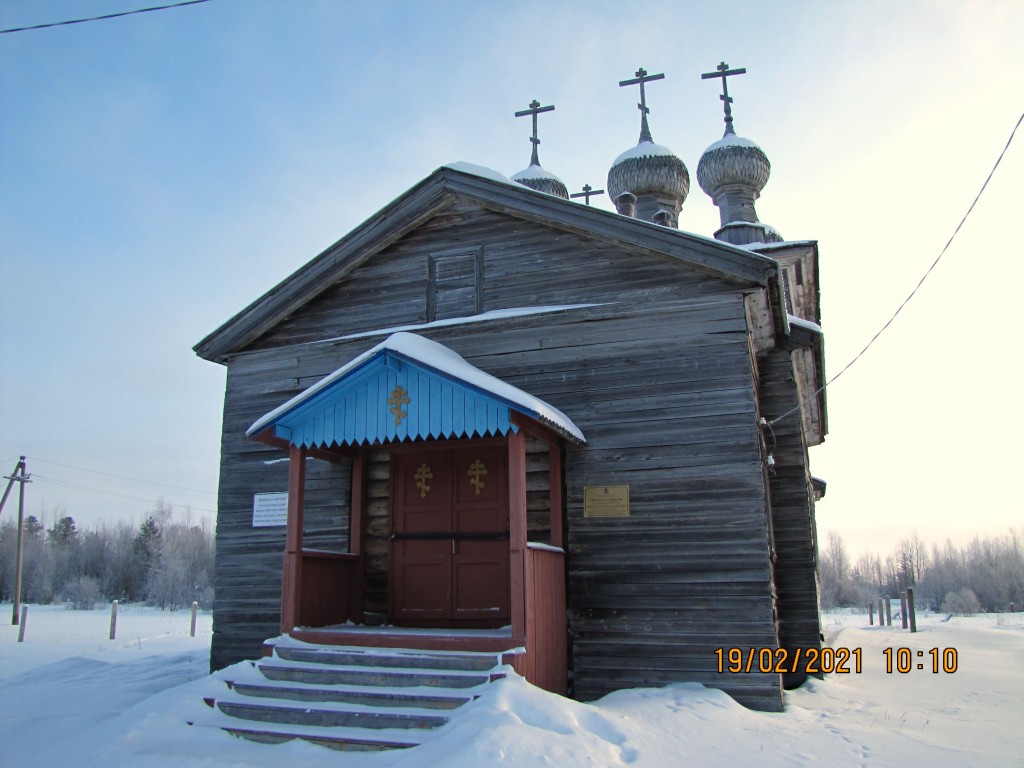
x,y
534,176
657,180
733,171
733,160
649,169
537,178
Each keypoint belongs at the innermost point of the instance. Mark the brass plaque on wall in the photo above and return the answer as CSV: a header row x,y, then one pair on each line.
x,y
606,501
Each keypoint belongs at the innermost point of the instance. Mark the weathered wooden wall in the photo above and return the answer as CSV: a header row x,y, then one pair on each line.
x,y
659,378
248,560
792,512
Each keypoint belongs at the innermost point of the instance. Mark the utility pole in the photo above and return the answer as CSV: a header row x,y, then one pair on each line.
x,y
18,476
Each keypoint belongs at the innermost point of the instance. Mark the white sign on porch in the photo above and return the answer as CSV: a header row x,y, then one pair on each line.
x,y
269,509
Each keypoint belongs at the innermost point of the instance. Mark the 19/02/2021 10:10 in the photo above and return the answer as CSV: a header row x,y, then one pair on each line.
x,y
905,660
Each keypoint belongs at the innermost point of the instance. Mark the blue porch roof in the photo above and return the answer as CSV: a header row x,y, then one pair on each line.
x,y
406,388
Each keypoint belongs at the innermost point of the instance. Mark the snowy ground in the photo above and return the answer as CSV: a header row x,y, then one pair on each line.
x,y
71,697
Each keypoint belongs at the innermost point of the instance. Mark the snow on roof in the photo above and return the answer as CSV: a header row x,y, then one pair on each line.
x,y
758,224
781,244
535,172
644,149
494,314
479,170
799,322
439,357
732,140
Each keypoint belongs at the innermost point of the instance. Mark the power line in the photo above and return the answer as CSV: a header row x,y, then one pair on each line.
x,y
103,18
920,282
123,477
79,487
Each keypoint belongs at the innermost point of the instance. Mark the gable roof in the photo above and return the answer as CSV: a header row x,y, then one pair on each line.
x,y
405,388
434,194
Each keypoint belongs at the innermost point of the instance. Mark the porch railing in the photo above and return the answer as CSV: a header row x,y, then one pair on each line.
x,y
545,662
330,588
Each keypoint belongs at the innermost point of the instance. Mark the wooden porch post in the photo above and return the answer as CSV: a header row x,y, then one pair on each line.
x,y
517,530
555,495
291,582
356,523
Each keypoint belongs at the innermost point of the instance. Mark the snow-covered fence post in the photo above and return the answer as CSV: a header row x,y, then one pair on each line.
x,y
903,609
21,629
113,619
888,612
910,609
195,607
871,614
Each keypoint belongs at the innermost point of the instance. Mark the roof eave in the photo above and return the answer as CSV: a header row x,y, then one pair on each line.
x,y
377,232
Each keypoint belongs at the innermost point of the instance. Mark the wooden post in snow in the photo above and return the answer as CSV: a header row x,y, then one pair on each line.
x,y
113,619
881,613
195,607
910,609
903,608
24,619
21,478
888,612
871,614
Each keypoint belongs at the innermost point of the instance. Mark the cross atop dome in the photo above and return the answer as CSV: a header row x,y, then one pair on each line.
x,y
641,79
723,71
534,176
534,110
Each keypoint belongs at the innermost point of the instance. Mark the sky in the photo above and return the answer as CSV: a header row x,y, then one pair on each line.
x,y
159,172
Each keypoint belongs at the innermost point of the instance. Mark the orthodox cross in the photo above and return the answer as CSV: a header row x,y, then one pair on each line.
x,y
724,72
477,470
399,397
587,192
641,78
534,110
422,474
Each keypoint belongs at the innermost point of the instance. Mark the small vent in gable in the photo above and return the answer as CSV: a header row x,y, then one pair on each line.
x,y
455,284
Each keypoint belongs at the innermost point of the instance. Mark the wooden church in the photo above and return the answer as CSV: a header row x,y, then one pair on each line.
x,y
493,417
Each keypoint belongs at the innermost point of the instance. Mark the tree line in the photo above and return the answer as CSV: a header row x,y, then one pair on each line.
x,y
163,561
985,575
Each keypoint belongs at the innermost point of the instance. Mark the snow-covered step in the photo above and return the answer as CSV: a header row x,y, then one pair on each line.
x,y
340,743
465,662
376,677
349,698
366,698
299,715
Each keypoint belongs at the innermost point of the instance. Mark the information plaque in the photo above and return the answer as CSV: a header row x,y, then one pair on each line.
x,y
269,509
606,501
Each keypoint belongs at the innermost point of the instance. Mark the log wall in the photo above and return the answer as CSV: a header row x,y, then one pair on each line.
x,y
792,510
659,378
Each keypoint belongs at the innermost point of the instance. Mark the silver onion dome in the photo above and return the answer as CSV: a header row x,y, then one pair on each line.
x,y
733,160
541,180
649,168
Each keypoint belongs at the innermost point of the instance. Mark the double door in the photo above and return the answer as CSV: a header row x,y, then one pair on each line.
x,y
449,553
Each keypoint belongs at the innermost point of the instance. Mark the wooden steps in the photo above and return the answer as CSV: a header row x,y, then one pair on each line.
x,y
349,698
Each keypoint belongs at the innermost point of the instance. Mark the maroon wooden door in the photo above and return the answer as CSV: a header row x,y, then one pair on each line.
x,y
449,537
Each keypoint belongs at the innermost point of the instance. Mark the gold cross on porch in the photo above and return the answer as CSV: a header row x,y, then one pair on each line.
x,y
422,474
477,470
398,398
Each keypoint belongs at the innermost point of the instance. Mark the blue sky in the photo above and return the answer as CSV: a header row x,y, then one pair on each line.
x,y
158,172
